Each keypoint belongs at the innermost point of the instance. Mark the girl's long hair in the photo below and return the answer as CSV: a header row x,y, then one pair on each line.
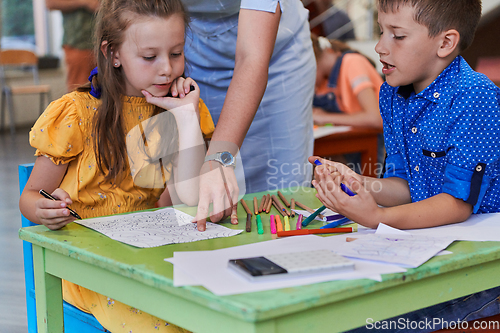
x,y
113,19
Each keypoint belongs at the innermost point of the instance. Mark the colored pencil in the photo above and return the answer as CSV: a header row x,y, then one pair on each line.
x,y
277,202
278,209
245,207
262,201
255,206
282,197
312,231
269,203
292,207
249,223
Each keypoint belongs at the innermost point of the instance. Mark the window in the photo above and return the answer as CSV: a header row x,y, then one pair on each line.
x,y
18,27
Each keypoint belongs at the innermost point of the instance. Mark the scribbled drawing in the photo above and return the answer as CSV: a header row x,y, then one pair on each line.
x,y
151,229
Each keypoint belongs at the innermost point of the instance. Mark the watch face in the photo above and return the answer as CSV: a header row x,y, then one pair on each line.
x,y
226,158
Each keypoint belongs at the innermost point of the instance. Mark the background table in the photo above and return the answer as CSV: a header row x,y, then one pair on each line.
x,y
351,140
141,278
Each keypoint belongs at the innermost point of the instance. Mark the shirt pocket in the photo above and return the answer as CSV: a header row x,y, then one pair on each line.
x,y
434,161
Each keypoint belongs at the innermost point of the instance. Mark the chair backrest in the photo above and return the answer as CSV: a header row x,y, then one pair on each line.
x,y
19,59
75,320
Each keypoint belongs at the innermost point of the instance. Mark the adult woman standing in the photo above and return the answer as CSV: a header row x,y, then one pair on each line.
x,y
255,66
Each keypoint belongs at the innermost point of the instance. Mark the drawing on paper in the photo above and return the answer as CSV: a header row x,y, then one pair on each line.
x,y
410,250
151,229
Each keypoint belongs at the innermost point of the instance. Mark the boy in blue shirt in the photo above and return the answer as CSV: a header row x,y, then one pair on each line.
x,y
442,136
441,124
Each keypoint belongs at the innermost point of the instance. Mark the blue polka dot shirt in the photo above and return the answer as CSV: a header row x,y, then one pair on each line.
x,y
446,139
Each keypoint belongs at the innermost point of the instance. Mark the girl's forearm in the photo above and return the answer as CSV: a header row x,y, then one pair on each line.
x,y
257,32
242,101
190,158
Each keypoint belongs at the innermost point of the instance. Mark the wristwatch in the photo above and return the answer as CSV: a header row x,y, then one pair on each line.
x,y
224,157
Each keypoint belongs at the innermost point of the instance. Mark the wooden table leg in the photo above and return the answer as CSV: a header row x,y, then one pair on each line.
x,y
49,303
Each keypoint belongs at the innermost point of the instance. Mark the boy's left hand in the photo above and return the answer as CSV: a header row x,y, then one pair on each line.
x,y
360,208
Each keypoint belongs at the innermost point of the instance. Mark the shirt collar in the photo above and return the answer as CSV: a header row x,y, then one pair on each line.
x,y
434,91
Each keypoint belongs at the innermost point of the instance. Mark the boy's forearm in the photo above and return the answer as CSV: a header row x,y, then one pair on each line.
x,y
388,192
438,210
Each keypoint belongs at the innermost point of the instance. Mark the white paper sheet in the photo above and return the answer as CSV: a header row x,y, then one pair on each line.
x,y
155,228
478,227
322,131
210,269
405,250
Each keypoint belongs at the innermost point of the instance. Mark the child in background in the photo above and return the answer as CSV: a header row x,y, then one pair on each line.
x,y
91,144
441,129
347,86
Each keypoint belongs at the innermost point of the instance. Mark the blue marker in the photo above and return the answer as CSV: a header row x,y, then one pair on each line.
x,y
332,218
335,224
342,185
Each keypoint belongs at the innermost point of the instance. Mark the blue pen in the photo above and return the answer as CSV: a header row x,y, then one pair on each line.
x,y
313,216
342,185
335,224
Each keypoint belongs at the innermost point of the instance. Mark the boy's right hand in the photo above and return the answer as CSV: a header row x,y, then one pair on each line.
x,y
330,166
54,214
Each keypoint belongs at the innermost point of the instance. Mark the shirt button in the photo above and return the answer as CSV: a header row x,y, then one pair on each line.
x,y
433,155
417,168
479,168
436,95
414,130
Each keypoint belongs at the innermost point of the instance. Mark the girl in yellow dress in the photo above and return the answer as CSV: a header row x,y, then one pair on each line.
x,y
124,141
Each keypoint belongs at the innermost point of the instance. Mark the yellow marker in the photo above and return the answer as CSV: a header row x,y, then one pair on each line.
x,y
287,223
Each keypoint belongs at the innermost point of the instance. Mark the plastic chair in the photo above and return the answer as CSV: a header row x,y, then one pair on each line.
x,y
75,320
21,61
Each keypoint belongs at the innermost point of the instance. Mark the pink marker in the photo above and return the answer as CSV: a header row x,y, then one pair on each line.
x,y
299,222
273,225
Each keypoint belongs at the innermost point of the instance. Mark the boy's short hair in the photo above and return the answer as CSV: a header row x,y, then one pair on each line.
x,y
441,15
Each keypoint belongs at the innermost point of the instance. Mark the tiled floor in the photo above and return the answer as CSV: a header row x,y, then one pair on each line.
x,y
14,150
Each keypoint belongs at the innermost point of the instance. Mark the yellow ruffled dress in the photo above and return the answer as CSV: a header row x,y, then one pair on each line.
x,y
63,134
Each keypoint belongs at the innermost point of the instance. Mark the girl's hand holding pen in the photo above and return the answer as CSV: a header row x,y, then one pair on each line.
x,y
54,214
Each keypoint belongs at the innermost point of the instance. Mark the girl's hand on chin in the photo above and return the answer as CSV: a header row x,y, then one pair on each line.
x,y
181,92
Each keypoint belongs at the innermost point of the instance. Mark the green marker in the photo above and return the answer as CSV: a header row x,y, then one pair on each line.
x,y
260,228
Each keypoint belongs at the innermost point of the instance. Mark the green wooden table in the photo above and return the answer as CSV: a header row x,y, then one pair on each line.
x,y
141,278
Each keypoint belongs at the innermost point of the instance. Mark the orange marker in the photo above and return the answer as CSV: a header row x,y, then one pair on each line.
x,y
279,226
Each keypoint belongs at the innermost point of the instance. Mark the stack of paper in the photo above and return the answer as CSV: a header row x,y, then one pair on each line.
x,y
210,268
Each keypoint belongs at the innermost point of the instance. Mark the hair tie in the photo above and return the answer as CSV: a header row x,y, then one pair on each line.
x,y
324,43
94,91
